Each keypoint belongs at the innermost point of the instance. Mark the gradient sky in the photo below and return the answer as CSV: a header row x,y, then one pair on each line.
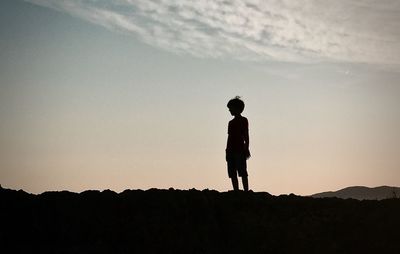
x,y
132,94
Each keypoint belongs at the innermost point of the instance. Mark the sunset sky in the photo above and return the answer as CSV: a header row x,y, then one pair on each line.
x,y
132,94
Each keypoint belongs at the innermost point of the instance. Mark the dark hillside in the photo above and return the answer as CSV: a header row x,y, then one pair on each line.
x,y
174,221
362,192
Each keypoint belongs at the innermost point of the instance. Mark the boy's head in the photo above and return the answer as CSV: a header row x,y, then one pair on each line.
x,y
236,106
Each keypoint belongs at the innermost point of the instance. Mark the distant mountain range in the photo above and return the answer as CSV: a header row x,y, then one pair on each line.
x,y
362,192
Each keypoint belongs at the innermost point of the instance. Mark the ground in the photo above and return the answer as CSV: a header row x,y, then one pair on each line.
x,y
192,221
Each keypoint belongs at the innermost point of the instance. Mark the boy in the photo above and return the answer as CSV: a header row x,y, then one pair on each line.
x,y
237,148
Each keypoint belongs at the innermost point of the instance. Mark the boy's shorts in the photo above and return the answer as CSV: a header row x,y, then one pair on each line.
x,y
236,165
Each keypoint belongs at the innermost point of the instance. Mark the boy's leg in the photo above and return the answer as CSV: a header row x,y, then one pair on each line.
x,y
245,182
235,183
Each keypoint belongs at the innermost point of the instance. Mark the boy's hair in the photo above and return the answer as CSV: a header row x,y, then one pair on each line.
x,y
236,103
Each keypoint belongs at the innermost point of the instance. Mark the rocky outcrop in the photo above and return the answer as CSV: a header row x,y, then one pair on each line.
x,y
191,221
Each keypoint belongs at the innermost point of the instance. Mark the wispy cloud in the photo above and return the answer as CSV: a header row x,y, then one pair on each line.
x,y
361,31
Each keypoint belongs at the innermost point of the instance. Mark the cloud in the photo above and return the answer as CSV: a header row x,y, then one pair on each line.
x,y
354,31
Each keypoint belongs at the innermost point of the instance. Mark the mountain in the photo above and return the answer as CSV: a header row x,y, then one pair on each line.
x,y
361,193
192,221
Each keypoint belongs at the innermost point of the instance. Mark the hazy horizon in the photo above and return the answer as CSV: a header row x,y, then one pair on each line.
x,y
132,94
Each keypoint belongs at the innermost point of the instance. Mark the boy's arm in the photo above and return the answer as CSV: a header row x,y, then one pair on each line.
x,y
247,140
227,142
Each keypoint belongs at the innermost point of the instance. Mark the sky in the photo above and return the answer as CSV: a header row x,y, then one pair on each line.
x,y
132,94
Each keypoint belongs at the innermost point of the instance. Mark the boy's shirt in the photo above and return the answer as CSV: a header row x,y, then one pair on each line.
x,y
238,128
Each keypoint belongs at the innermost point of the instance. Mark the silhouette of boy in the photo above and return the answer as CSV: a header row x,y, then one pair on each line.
x,y
237,148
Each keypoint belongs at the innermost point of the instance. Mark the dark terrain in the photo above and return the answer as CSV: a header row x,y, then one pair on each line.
x,y
191,221
362,192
